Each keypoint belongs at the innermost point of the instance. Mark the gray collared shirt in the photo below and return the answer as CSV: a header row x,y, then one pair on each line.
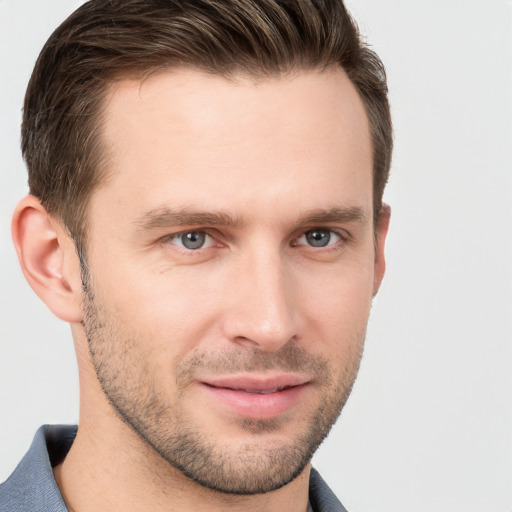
x,y
32,486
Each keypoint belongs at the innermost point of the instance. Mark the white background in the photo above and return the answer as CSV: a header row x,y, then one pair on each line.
x,y
429,424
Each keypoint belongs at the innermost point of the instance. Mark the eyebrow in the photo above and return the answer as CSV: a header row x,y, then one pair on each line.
x,y
345,214
165,217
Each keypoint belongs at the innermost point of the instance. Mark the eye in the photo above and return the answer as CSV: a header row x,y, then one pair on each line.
x,y
318,238
191,240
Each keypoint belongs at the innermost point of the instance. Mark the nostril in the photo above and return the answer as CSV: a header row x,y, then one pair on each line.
x,y
245,342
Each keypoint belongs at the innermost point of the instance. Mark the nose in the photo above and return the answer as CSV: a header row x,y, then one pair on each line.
x,y
262,307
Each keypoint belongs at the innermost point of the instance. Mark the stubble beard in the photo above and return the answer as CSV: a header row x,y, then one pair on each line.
x,y
124,372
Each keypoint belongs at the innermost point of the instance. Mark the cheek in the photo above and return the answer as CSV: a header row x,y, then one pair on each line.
x,y
169,311
340,307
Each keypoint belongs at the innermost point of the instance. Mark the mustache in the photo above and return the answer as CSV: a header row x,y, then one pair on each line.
x,y
289,358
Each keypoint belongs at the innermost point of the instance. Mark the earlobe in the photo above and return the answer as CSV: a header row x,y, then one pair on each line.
x,y
48,259
380,258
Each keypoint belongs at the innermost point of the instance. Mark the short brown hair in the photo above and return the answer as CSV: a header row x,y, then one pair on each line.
x,y
107,40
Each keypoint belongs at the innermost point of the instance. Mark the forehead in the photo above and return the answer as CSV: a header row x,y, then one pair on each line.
x,y
182,137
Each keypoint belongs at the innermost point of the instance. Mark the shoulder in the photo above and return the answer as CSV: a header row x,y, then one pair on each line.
x,y
32,487
321,496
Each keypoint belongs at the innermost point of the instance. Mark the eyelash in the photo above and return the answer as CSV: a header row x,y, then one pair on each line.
x,y
342,237
178,236
330,232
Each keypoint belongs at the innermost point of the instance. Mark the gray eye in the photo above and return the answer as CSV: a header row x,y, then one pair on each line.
x,y
193,239
318,237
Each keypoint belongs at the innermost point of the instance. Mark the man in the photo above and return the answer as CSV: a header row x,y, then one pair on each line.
x,y
205,210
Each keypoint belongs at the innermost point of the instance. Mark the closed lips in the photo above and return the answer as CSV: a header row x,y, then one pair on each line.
x,y
255,391
257,398
251,384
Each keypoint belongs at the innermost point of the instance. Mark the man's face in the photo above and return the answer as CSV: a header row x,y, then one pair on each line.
x,y
231,268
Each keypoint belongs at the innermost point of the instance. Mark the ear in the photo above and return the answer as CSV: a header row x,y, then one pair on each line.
x,y
380,259
48,259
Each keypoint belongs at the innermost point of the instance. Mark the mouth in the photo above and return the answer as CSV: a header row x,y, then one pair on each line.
x,y
263,391
257,397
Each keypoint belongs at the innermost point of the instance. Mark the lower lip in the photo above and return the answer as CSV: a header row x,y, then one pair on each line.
x,y
257,405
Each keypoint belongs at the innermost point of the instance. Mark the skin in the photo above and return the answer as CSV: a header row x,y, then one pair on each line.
x,y
256,167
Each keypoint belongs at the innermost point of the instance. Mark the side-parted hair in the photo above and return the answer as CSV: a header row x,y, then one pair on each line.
x,y
105,41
